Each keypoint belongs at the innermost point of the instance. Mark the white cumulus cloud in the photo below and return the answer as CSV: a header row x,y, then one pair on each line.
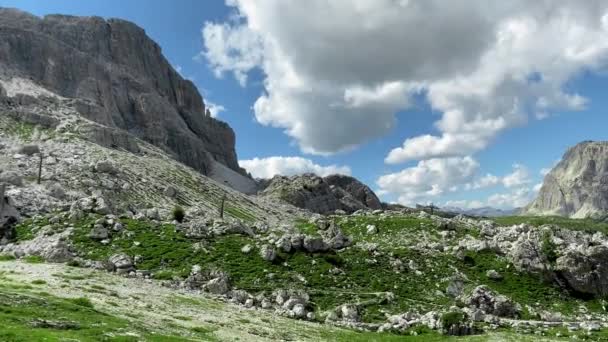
x,y
517,198
336,72
520,176
428,179
231,49
288,166
431,179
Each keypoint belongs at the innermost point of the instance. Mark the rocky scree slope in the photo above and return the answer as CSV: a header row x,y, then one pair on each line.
x,y
73,168
578,186
321,195
117,77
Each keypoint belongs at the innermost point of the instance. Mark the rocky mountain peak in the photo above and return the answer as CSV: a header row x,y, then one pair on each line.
x,y
578,185
117,77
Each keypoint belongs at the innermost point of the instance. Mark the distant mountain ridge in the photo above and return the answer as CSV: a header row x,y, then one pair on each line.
x,y
483,211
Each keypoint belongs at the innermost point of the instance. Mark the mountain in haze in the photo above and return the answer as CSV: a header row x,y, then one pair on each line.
x,y
118,78
577,187
483,211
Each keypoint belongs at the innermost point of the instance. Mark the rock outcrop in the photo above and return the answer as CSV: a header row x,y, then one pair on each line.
x,y
322,195
578,186
114,75
8,218
354,189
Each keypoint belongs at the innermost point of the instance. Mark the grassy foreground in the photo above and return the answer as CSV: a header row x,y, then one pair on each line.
x,y
387,264
51,302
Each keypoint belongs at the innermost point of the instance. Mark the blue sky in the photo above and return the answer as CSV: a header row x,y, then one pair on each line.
x,y
531,143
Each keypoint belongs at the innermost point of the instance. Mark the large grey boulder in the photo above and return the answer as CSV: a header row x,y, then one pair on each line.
x,y
525,253
219,285
489,302
52,248
578,185
105,166
29,150
585,269
121,261
119,79
268,253
56,190
11,177
349,313
99,232
314,244
299,311
335,238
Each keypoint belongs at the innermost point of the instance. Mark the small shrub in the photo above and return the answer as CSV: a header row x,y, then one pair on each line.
x,y
548,248
333,259
452,318
6,257
420,330
469,260
163,275
179,214
38,282
74,263
82,301
33,259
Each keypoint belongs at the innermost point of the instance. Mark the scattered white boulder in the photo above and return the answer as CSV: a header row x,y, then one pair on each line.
x,y
372,229
219,285
299,310
105,166
247,249
28,150
349,313
268,253
11,177
494,275
121,261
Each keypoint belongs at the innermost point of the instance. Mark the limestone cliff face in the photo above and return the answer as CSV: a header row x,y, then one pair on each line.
x,y
322,195
118,78
578,185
